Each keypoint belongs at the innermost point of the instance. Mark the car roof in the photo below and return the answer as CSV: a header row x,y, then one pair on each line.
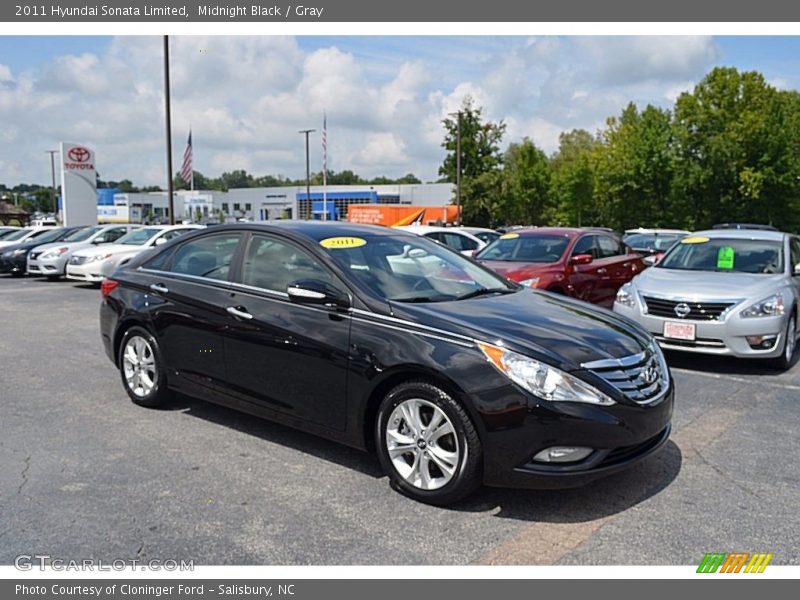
x,y
741,234
426,228
315,230
657,230
565,231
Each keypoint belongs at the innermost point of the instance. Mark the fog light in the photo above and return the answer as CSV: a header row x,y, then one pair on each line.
x,y
562,454
761,342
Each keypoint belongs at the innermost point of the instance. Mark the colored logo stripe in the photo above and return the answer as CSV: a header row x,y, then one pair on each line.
x,y
734,562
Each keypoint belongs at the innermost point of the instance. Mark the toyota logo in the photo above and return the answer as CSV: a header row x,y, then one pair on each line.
x,y
682,309
78,154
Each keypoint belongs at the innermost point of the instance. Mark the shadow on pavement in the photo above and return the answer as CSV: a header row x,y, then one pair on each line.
x,y
722,365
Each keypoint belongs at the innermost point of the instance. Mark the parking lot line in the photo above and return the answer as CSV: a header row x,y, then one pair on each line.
x,y
727,377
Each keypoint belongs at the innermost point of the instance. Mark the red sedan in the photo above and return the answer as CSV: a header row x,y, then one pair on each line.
x,y
589,264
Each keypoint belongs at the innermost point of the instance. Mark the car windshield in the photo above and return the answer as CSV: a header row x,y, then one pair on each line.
x,y
5,234
82,234
51,236
414,269
537,248
728,255
138,237
652,241
17,235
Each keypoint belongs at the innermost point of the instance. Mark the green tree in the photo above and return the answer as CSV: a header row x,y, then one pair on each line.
x,y
480,154
738,141
573,179
526,185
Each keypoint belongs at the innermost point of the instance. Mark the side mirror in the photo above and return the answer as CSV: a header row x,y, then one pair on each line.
x,y
98,240
160,241
651,260
581,259
796,269
314,291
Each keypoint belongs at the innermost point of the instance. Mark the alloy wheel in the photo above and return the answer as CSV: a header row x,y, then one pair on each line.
x,y
139,366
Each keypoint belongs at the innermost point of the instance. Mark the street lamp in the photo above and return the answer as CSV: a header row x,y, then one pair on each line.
x,y
168,117
458,166
308,171
52,154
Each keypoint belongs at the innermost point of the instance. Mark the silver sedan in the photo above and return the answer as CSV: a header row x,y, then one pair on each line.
x,y
724,291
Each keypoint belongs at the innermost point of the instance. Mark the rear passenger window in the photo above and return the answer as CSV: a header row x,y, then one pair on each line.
x,y
585,245
459,243
272,264
209,256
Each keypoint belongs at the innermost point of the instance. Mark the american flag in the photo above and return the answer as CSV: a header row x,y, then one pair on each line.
x,y
186,169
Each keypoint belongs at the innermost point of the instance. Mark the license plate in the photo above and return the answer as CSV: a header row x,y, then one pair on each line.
x,y
679,331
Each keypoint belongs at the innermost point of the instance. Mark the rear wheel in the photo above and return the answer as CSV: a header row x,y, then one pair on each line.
x,y
786,359
427,444
140,368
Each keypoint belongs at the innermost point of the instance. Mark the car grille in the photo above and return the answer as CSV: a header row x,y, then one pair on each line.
x,y
78,260
34,255
698,311
639,377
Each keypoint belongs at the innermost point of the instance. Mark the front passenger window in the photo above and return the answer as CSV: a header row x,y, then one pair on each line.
x,y
209,256
273,264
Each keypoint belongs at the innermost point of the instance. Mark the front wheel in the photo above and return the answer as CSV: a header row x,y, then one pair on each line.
x,y
140,368
427,444
786,359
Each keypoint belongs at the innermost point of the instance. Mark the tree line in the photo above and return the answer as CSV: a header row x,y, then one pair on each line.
x,y
729,150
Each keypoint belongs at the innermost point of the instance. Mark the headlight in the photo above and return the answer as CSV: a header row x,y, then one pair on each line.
x,y
625,297
99,257
542,380
768,307
55,253
532,282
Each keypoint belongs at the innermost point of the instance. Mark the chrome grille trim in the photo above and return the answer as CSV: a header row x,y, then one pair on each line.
x,y
624,375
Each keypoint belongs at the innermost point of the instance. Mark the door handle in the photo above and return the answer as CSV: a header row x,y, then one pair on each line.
x,y
626,264
239,312
602,271
157,287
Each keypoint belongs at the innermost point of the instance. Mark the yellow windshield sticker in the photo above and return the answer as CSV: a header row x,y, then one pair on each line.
x,y
509,236
694,240
340,243
725,258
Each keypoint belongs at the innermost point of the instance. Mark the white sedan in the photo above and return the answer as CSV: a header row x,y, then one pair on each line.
x,y
95,264
453,237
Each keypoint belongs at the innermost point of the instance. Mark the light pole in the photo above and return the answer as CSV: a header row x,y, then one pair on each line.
x,y
458,166
308,172
169,130
52,154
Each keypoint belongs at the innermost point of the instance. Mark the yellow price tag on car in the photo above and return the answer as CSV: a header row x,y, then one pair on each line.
x,y
694,240
509,236
340,243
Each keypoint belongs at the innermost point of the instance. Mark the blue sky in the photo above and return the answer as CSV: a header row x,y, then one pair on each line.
x,y
245,97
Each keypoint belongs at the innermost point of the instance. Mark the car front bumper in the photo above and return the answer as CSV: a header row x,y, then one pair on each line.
x,y
620,436
51,267
92,271
13,264
727,337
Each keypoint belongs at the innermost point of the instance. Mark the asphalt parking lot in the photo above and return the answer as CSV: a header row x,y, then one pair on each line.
x,y
86,473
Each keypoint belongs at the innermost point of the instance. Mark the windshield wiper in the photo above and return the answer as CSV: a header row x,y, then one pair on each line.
x,y
415,299
483,291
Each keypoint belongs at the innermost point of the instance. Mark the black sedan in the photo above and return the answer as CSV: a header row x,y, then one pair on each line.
x,y
13,259
387,341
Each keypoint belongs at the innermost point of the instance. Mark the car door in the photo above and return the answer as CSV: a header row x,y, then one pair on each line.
x,y
615,268
284,356
584,279
188,292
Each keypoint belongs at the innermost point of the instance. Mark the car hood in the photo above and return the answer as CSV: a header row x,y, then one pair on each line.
x,y
103,249
70,245
516,270
704,285
555,329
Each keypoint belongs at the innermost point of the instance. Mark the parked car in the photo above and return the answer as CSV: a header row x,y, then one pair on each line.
x,y
13,258
23,235
95,263
487,236
652,242
382,339
728,292
587,264
7,230
452,237
51,260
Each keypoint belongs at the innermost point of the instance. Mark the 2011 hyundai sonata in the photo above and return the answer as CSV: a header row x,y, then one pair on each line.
x,y
385,340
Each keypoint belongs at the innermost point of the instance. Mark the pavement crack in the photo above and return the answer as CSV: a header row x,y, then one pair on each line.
x,y
24,474
724,474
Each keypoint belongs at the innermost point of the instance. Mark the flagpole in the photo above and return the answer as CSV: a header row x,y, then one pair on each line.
x,y
191,183
324,166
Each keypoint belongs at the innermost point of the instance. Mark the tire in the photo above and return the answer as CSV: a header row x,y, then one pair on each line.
x,y
141,370
786,359
438,466
53,277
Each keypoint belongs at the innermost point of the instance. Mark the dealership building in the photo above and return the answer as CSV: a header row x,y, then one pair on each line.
x,y
265,203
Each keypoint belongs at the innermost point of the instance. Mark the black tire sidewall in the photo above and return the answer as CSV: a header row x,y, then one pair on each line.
x,y
157,395
457,487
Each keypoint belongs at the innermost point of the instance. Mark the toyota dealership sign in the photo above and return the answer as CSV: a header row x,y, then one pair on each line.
x,y
78,185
